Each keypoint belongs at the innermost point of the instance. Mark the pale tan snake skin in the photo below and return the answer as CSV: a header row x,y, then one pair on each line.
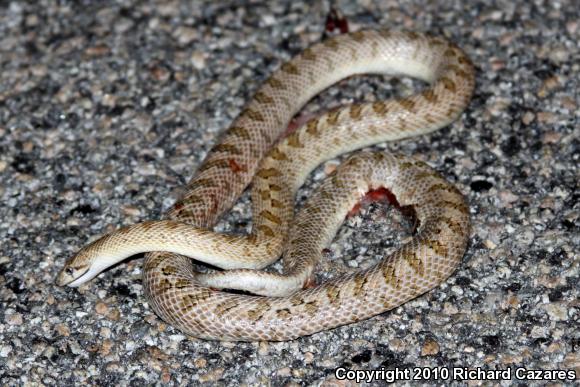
x,y
184,298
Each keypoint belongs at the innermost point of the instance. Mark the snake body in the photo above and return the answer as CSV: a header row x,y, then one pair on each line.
x,y
192,302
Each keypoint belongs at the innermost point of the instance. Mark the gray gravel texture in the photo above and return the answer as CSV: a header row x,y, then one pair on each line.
x,y
107,108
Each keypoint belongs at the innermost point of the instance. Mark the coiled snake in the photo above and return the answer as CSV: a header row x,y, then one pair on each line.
x,y
192,302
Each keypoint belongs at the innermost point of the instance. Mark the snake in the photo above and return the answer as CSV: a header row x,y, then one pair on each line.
x,y
241,302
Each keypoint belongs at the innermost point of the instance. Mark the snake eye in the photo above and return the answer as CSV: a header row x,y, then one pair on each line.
x,y
70,271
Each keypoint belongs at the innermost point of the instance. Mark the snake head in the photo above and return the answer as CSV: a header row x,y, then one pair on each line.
x,y
72,274
78,269
87,263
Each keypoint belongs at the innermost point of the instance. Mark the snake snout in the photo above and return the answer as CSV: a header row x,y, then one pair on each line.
x,y
64,277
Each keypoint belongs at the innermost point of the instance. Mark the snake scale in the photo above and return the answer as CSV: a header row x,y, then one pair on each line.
x,y
283,307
